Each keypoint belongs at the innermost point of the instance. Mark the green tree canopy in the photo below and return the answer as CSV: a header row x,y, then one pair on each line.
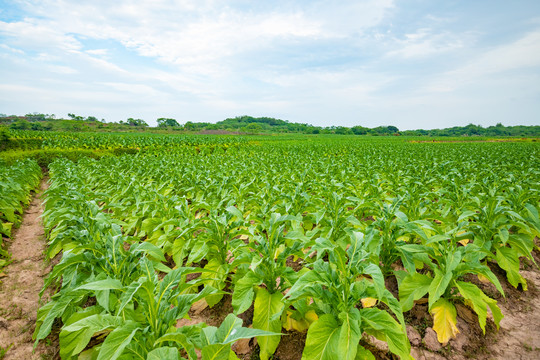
x,y
165,122
136,122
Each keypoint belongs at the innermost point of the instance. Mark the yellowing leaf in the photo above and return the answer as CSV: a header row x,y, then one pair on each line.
x,y
444,320
311,316
368,302
464,242
289,323
286,321
279,250
405,238
483,279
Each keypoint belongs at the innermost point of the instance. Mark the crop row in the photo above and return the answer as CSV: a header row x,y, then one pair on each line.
x,y
16,183
304,234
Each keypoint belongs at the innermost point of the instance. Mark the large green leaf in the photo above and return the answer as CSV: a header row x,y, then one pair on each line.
x,y
243,292
117,340
323,340
231,330
364,354
163,353
57,308
75,337
106,284
216,352
349,334
508,260
380,324
127,295
413,287
438,286
182,340
480,302
215,276
266,316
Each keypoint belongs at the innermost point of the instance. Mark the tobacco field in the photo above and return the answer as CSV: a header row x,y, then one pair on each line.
x,y
334,238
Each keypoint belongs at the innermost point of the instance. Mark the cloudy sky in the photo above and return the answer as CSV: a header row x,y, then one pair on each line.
x,y
412,63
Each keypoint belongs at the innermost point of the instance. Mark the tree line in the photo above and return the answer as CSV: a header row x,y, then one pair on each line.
x,y
247,124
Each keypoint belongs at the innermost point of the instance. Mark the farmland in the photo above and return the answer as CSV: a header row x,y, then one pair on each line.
x,y
337,243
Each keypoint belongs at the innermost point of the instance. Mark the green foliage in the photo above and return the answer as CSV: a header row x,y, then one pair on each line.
x,y
4,134
305,230
136,122
4,138
254,125
16,183
164,122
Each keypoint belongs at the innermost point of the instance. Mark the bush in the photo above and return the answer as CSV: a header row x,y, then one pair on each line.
x,y
4,138
45,156
22,144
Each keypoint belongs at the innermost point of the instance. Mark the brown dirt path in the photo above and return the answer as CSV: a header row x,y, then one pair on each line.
x,y
519,337
19,300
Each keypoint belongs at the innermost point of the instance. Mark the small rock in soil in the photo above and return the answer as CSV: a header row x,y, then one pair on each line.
x,y
241,347
376,343
430,340
4,323
421,354
414,336
463,337
419,312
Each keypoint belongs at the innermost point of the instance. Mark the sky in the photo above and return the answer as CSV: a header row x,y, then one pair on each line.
x,y
412,64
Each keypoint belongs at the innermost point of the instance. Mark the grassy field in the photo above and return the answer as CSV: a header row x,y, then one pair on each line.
x,y
190,246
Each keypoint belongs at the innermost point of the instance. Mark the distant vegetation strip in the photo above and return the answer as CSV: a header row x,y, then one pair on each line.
x,y
245,125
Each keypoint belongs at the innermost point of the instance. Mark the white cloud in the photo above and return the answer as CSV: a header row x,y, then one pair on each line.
x,y
11,49
62,69
426,42
98,52
202,60
521,54
32,34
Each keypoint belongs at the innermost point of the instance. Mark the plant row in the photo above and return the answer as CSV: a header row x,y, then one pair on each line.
x,y
16,183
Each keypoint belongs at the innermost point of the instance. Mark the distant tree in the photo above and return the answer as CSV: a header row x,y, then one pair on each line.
x,y
359,130
165,122
342,130
136,122
392,129
20,125
189,126
91,118
75,117
36,117
472,129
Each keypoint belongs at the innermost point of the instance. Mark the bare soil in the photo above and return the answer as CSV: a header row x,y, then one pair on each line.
x,y
21,286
